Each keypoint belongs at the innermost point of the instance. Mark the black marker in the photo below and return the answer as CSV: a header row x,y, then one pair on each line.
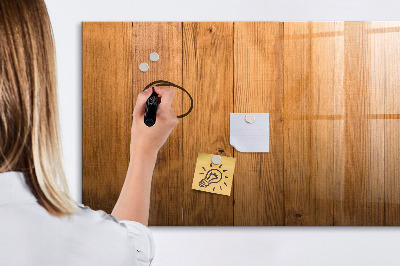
x,y
151,109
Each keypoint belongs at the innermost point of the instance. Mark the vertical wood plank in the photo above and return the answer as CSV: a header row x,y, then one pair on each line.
x,y
208,76
298,206
322,71
375,132
362,184
391,65
164,38
258,88
106,110
339,111
308,124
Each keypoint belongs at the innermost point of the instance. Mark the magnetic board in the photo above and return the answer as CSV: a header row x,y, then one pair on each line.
x,y
332,91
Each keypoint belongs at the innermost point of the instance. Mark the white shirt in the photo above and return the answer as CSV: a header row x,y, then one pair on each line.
x,y
29,235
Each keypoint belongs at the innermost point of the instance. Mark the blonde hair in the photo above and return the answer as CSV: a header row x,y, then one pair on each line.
x,y
29,122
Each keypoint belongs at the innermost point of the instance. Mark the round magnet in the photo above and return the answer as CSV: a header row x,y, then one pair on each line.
x,y
154,57
216,159
143,67
250,118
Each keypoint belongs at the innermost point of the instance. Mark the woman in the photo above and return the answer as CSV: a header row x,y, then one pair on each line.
x,y
40,224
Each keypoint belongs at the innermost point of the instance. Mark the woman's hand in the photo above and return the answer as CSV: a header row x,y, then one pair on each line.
x,y
150,139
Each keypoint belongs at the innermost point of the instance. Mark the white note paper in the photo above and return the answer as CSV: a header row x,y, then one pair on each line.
x,y
249,137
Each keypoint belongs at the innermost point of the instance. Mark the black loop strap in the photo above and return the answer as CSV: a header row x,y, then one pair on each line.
x,y
170,84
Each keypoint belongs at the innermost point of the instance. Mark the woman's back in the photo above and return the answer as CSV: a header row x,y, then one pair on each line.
x,y
32,236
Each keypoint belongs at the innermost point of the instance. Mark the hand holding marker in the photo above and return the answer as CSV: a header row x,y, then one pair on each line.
x,y
150,139
152,102
153,117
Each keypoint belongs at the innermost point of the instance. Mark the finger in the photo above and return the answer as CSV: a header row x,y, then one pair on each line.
x,y
160,90
166,112
141,99
167,98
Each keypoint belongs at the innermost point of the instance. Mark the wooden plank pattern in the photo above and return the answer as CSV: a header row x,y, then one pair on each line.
x,y
338,125
299,205
207,74
362,183
333,93
107,111
258,88
391,86
165,38
375,135
322,81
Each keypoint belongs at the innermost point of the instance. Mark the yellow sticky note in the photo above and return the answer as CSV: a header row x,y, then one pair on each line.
x,y
214,178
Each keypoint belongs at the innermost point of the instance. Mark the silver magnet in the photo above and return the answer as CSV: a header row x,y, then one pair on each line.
x,y
216,159
154,57
143,67
250,118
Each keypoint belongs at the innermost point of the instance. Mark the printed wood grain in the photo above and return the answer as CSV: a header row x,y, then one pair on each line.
x,y
390,66
360,201
308,132
297,133
258,88
208,75
106,111
164,38
338,121
333,93
322,84
375,133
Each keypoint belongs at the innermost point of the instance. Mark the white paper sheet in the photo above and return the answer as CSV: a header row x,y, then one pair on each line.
x,y
246,137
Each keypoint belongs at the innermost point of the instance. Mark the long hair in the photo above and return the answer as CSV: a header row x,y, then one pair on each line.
x,y
29,119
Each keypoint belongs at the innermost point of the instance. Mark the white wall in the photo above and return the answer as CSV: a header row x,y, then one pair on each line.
x,y
220,245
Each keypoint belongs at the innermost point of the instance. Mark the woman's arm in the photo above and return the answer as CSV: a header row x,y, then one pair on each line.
x,y
134,201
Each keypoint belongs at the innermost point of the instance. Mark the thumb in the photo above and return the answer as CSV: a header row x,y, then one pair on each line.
x,y
141,99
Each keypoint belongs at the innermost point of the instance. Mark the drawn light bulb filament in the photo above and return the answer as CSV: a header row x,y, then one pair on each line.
x,y
212,176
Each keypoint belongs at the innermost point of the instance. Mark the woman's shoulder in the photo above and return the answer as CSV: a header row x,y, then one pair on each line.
x,y
90,215
138,236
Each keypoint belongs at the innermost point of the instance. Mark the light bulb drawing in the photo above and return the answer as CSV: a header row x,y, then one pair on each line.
x,y
213,176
